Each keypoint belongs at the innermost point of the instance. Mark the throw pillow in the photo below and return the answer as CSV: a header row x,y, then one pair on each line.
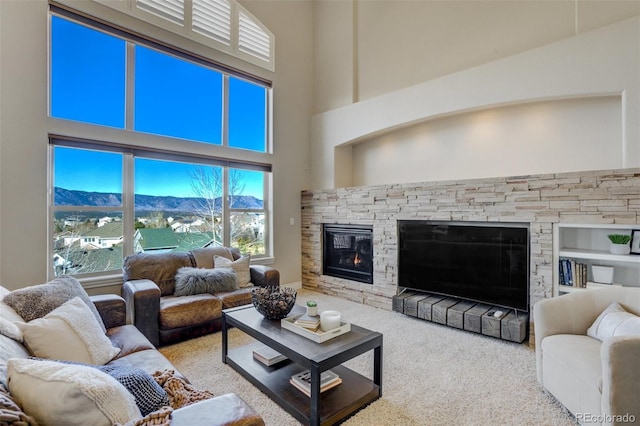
x,y
148,394
63,394
10,329
614,321
241,266
38,300
6,311
71,333
191,281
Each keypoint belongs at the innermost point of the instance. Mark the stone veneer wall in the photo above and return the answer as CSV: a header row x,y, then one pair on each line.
x,y
611,196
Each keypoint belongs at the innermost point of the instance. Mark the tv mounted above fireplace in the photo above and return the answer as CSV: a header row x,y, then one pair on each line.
x,y
479,261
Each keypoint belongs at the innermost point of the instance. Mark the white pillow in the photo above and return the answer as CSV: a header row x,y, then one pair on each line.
x,y
70,333
11,330
241,266
55,393
614,321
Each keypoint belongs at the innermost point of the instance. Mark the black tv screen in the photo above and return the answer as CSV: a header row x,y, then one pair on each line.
x,y
483,262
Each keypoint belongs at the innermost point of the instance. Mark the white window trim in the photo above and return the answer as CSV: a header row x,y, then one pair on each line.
x,y
234,48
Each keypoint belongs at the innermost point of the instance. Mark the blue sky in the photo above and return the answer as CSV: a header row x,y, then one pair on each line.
x,y
172,97
102,172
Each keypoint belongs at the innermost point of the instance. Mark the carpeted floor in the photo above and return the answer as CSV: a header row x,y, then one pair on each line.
x,y
433,375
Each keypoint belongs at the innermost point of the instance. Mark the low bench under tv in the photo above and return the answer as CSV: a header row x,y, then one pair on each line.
x,y
461,274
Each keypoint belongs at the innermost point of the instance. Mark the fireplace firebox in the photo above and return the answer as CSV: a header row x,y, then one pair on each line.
x,y
348,252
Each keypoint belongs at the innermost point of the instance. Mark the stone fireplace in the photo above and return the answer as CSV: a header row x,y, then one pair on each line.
x,y
610,196
347,252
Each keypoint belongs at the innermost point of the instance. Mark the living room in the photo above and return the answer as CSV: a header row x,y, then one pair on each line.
x,y
372,96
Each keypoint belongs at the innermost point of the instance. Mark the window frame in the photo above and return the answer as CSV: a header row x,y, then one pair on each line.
x,y
248,38
63,132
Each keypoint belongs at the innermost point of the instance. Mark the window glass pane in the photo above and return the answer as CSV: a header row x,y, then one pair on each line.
x,y
247,115
87,74
86,242
177,98
177,206
87,178
247,232
246,189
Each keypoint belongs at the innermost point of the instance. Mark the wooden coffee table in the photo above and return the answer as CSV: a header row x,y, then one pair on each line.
x,y
326,408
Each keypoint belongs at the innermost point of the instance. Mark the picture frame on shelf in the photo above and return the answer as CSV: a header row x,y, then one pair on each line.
x,y
635,241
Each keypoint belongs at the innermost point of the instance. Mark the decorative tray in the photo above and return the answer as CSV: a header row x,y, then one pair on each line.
x,y
317,336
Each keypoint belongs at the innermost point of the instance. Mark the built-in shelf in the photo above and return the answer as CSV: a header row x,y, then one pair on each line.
x,y
590,286
589,254
588,244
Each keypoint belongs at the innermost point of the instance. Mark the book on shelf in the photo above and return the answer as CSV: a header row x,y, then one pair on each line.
x,y
267,355
308,322
302,381
572,273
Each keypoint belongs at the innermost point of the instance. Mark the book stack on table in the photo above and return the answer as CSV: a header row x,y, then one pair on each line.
x,y
268,356
308,322
302,381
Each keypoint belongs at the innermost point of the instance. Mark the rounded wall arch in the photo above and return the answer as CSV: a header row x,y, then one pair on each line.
x,y
600,63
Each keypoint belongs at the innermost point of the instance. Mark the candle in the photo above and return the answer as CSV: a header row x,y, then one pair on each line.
x,y
329,320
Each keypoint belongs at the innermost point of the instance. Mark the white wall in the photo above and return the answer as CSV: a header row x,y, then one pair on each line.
x,y
24,127
403,43
23,143
541,137
602,62
333,39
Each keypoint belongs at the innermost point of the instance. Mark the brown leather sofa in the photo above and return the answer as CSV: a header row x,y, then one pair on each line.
x,y
136,351
164,318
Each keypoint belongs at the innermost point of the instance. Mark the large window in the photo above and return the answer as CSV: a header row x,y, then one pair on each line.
x,y
111,199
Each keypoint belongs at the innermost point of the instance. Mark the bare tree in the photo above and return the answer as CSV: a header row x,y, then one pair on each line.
x,y
207,184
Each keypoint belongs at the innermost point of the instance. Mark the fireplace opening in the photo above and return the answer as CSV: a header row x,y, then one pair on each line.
x,y
348,252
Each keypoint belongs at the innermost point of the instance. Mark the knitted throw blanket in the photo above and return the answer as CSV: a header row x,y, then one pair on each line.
x,y
10,413
180,394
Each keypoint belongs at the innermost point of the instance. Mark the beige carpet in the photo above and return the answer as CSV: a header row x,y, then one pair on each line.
x,y
433,375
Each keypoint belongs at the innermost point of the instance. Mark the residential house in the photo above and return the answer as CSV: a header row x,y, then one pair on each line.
x,y
186,225
156,240
105,236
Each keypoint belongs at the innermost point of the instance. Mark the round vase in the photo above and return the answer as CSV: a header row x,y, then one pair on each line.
x,y
312,311
619,248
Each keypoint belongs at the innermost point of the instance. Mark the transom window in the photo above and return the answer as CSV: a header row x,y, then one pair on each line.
x,y
110,199
222,24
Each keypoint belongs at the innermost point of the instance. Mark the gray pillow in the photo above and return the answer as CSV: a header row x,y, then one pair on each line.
x,y
199,280
38,300
148,394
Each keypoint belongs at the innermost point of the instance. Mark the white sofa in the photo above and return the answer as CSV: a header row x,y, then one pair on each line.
x,y
597,381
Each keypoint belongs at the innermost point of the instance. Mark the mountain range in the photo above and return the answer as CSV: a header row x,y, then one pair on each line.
x,y
68,197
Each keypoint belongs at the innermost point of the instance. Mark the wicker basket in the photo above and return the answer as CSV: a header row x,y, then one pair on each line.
x,y
274,303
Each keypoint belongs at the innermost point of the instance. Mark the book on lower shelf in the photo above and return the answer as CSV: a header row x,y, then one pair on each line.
x,y
302,381
267,355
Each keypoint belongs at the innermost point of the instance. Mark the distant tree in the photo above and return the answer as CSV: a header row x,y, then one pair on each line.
x,y
71,257
207,184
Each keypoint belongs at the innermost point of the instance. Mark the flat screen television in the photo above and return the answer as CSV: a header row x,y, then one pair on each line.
x,y
480,261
